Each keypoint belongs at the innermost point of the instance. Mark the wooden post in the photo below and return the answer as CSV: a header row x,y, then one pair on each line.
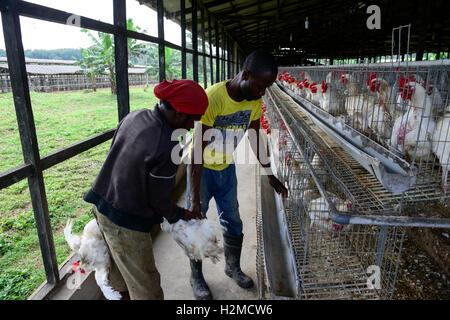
x,y
217,52
210,49
161,47
183,38
228,59
222,62
194,40
28,139
121,60
205,77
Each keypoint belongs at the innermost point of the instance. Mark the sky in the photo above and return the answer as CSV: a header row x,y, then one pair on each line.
x,y
37,34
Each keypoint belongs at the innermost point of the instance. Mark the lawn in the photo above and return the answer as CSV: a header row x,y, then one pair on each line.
x,y
61,119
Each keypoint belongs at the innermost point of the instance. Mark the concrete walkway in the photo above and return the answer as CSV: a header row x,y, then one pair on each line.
x,y
173,264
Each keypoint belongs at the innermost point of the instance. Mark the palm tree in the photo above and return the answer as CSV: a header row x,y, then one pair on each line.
x,y
91,65
101,53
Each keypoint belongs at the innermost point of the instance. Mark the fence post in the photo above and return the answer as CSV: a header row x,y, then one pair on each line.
x,y
205,76
183,38
194,40
121,60
28,139
210,49
161,47
217,51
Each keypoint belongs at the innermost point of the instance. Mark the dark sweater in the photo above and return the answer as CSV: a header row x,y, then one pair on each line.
x,y
135,184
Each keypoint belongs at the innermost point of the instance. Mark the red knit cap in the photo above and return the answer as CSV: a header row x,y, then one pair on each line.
x,y
186,96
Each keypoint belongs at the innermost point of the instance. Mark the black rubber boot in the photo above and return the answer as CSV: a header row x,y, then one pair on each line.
x,y
232,250
198,283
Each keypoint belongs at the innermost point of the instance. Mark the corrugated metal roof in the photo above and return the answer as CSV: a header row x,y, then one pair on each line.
x,y
337,29
43,61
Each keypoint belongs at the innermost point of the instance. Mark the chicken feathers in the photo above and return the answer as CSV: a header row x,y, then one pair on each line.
x,y
94,255
198,238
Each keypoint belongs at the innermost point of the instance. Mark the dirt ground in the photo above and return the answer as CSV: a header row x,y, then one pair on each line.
x,y
425,261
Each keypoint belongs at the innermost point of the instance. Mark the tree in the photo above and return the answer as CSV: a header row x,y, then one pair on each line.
x,y
101,53
91,65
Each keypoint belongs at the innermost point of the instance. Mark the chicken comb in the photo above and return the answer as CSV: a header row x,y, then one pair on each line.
x,y
305,83
324,87
406,90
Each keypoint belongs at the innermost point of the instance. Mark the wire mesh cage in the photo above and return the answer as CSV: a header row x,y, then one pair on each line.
x,y
404,109
334,261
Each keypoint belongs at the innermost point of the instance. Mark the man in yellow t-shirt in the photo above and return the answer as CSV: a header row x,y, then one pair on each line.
x,y
234,107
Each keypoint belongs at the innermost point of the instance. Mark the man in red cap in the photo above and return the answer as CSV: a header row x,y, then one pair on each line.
x,y
133,190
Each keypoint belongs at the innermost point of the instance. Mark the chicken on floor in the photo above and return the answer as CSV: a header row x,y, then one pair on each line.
x,y
94,255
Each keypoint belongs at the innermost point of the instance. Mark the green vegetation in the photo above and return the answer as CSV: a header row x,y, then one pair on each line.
x,y
100,59
54,54
61,119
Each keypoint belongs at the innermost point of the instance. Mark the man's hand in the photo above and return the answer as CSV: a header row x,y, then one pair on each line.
x,y
278,186
196,209
188,215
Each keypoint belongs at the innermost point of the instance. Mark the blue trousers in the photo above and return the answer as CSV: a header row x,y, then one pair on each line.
x,y
222,186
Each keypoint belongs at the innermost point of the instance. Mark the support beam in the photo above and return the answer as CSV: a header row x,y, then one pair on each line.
x,y
183,38
161,47
194,40
205,76
27,130
121,60
217,52
210,49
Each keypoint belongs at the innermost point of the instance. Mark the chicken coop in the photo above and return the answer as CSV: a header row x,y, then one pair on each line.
x,y
357,126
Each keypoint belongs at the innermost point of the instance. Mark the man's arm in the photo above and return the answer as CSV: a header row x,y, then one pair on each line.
x,y
265,163
196,167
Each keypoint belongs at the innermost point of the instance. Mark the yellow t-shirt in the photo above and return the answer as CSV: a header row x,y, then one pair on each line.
x,y
229,120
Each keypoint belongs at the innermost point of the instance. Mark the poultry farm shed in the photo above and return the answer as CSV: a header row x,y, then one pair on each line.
x,y
356,145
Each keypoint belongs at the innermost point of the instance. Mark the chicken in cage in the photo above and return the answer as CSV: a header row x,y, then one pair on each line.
x,y
331,259
405,110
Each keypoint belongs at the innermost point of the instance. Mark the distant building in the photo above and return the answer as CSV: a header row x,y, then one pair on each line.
x,y
45,75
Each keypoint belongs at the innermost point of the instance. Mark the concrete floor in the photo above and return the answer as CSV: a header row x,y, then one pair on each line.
x,y
173,264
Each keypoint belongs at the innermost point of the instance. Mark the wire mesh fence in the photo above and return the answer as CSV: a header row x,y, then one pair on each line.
x,y
404,109
334,260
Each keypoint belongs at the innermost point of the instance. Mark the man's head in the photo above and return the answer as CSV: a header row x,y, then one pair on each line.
x,y
259,71
182,102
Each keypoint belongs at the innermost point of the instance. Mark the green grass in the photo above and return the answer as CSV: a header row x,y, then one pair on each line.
x,y
61,119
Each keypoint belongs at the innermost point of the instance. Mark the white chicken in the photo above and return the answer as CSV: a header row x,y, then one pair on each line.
x,y
412,131
199,238
385,93
358,108
319,213
314,94
441,147
94,255
331,100
412,136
